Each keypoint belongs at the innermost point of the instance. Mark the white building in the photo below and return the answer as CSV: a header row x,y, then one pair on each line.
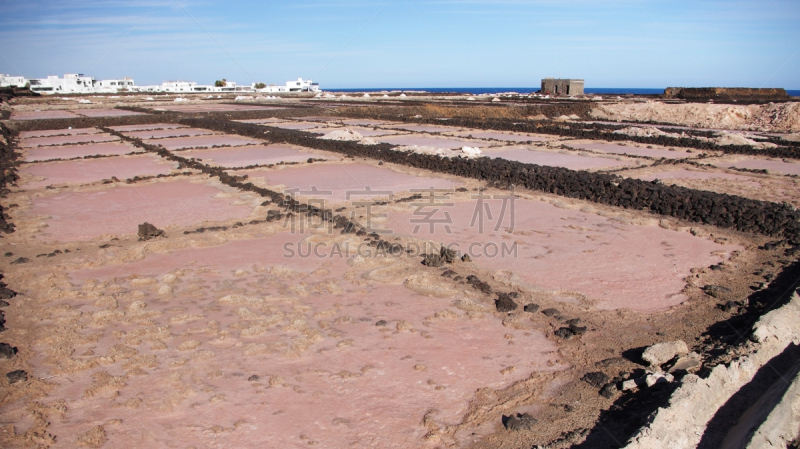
x,y
79,84
12,81
300,85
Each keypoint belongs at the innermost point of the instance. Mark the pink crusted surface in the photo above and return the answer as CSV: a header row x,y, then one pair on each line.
x,y
691,174
92,170
430,141
41,115
572,161
620,149
639,267
67,140
71,151
162,133
786,168
218,107
176,143
341,178
503,136
127,128
120,209
357,385
105,112
58,132
254,155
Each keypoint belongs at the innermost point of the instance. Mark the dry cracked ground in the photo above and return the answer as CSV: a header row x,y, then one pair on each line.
x,y
209,273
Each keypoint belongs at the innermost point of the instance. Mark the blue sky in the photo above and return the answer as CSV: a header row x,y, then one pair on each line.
x,y
409,43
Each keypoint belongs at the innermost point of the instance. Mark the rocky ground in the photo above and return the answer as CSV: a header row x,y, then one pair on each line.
x,y
161,296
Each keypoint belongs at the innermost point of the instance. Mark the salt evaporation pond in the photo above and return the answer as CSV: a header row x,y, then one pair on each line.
x,y
430,141
106,112
426,128
218,107
174,132
73,151
503,136
118,210
785,168
371,132
554,159
57,132
692,174
92,170
67,140
248,341
338,179
177,143
357,122
127,128
254,155
41,115
636,151
615,264
297,125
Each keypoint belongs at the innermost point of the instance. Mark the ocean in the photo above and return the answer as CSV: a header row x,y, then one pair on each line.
x,y
523,90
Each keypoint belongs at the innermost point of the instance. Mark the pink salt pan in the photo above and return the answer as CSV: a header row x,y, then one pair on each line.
x,y
218,108
503,136
120,209
253,155
358,384
786,168
67,140
297,125
127,128
58,132
691,174
73,151
339,179
92,170
41,115
553,159
425,128
320,118
366,122
370,132
636,151
105,112
430,141
162,133
177,143
261,121
614,264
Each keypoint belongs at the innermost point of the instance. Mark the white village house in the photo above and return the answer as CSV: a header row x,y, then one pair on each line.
x,y
82,84
12,81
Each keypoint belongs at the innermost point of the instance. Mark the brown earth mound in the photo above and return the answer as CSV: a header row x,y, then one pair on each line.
x,y
726,94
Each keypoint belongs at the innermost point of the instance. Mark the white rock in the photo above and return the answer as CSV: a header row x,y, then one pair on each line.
x,y
471,151
661,353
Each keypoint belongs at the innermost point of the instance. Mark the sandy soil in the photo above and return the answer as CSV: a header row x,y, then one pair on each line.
x,y
781,117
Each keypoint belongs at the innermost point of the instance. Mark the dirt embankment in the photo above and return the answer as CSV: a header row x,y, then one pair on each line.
x,y
727,94
426,111
779,117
